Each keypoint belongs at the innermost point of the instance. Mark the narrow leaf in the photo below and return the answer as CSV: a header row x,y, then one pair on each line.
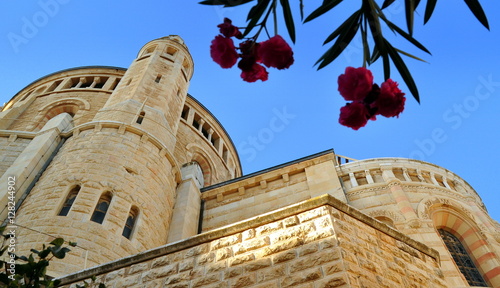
x,y
387,3
257,9
407,36
387,66
325,7
256,12
477,10
409,9
374,24
287,14
429,9
366,47
375,55
410,55
403,71
348,24
342,42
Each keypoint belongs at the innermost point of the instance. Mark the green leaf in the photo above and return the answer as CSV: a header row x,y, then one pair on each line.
x,y
325,7
354,18
407,36
59,252
57,242
477,10
410,55
301,7
366,47
44,253
403,71
387,3
372,13
387,66
375,55
409,9
429,9
287,14
342,41
255,14
258,9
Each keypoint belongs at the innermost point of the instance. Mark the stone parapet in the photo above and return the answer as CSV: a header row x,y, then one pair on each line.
x,y
308,244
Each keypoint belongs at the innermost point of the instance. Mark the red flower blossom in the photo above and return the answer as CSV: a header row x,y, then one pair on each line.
x,y
275,52
355,83
391,101
354,115
251,71
229,30
249,49
223,51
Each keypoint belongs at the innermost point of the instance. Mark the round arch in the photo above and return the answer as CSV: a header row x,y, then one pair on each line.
x,y
450,215
197,154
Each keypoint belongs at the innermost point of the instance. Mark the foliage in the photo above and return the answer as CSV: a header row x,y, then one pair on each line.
x,y
369,21
32,272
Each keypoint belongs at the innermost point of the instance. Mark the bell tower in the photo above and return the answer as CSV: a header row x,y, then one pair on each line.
x,y
153,90
112,185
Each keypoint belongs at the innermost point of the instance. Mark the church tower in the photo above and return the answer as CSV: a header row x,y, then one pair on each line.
x,y
114,150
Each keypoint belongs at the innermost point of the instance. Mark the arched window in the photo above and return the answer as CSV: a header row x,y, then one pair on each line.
x,y
140,117
462,259
69,201
130,223
101,208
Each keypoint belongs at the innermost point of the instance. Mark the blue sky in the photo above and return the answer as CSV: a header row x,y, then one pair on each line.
x,y
455,126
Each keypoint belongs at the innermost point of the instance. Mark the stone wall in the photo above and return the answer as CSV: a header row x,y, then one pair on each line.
x,y
309,244
268,190
10,148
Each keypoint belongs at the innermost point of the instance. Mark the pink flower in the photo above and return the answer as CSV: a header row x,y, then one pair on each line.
x,y
251,71
355,83
223,51
229,30
275,52
391,101
354,115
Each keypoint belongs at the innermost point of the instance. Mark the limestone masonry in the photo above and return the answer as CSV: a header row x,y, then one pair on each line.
x,y
148,183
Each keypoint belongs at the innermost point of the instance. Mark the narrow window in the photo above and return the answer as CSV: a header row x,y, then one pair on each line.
x,y
86,82
196,123
140,117
204,131
114,84
101,208
225,154
69,201
158,78
26,96
54,85
171,51
74,82
184,114
100,81
462,259
130,223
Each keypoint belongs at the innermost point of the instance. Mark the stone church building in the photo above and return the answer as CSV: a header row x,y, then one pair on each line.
x,y
148,183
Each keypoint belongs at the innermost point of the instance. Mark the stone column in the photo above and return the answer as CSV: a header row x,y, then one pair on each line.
x,y
186,213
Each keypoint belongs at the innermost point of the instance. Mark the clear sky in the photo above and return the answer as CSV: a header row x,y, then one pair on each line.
x,y
455,126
